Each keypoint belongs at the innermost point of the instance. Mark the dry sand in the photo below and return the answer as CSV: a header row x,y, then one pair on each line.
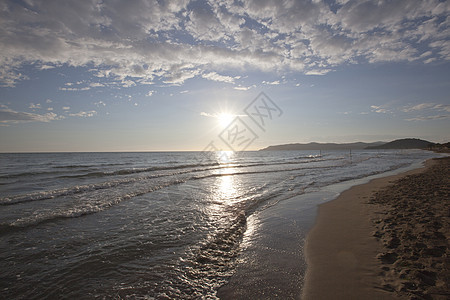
x,y
387,239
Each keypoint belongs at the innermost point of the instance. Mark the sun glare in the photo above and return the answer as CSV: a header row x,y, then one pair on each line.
x,y
225,119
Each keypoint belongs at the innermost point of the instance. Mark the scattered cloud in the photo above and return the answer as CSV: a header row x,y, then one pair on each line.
x,y
217,77
84,114
8,116
276,82
66,108
150,93
419,112
48,101
243,88
379,109
427,106
46,67
427,111
35,106
436,117
128,83
96,84
100,103
86,88
141,41
218,115
205,114
317,72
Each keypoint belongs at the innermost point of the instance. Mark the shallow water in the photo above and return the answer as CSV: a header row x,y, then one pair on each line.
x,y
166,225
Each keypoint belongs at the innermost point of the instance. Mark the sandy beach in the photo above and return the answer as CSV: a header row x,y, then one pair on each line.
x,y
386,239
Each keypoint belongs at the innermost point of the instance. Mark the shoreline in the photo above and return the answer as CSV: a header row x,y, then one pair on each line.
x,y
342,251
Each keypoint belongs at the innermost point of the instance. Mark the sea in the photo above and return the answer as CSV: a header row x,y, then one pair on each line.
x,y
169,225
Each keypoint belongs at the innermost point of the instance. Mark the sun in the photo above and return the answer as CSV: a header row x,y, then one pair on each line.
x,y
225,119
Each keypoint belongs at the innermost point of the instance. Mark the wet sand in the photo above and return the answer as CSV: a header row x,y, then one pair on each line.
x,y
386,239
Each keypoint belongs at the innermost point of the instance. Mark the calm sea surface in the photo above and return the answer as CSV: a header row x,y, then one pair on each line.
x,y
166,225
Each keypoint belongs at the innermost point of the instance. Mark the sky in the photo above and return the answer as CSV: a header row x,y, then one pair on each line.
x,y
221,75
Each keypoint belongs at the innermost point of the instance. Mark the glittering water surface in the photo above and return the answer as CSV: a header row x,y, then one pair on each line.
x,y
165,225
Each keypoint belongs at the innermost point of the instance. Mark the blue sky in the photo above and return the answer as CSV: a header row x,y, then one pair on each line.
x,y
164,75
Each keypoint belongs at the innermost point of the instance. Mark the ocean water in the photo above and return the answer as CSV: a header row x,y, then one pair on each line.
x,y
183,225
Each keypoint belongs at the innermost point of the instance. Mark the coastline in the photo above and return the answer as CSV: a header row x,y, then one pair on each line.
x,y
342,250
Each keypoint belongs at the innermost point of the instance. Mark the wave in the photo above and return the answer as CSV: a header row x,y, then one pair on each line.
x,y
33,173
209,166
88,166
138,170
74,190
80,207
51,194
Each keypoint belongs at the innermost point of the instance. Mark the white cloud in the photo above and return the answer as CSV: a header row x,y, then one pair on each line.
x,y
205,114
150,93
218,115
276,82
8,116
217,77
140,41
35,106
203,24
427,118
46,67
379,109
48,101
96,84
66,108
242,88
128,83
427,106
84,114
86,88
180,75
317,72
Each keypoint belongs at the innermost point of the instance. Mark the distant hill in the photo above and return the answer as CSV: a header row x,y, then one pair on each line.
x,y
404,144
397,144
322,146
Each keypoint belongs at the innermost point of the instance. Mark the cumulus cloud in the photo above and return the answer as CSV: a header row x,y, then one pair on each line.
x,y
136,42
217,77
96,84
